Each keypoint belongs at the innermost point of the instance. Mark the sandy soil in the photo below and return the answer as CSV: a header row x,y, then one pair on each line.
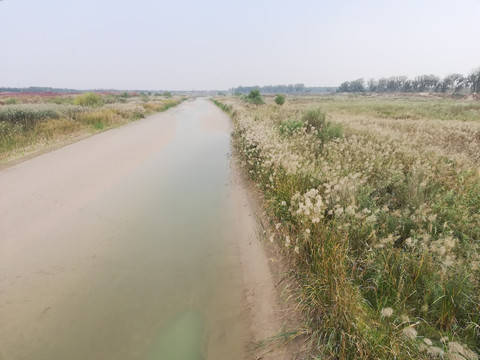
x,y
38,272
262,269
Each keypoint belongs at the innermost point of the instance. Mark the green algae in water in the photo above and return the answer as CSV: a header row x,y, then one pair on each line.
x,y
182,339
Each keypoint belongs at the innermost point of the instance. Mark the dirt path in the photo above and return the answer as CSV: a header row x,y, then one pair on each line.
x,y
115,245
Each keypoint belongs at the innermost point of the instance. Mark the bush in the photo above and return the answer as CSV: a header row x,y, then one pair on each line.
x,y
255,98
167,94
314,119
279,99
289,127
10,101
88,99
326,130
100,119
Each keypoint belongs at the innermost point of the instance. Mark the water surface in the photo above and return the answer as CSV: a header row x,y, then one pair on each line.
x,y
148,269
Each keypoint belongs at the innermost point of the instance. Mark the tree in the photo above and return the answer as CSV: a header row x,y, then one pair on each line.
x,y
474,81
407,86
357,85
454,83
382,85
254,97
344,87
372,85
279,99
426,83
299,87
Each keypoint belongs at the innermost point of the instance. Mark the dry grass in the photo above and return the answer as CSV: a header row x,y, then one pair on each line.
x,y
33,124
380,215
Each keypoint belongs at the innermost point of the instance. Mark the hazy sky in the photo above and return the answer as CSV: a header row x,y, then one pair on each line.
x,y
218,44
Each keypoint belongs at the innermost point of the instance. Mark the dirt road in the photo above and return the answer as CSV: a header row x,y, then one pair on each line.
x,y
136,243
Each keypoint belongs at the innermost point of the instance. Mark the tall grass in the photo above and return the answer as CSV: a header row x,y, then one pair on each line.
x,y
382,230
30,123
396,108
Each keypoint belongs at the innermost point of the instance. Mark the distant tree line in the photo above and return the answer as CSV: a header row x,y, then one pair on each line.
x,y
282,89
37,89
41,89
453,83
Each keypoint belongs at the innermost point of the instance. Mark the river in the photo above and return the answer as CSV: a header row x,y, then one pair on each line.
x,y
125,246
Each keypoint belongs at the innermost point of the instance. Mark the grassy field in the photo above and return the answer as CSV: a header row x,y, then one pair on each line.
x,y
32,122
375,201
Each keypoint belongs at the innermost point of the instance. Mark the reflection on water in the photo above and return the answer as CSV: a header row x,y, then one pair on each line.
x,y
164,280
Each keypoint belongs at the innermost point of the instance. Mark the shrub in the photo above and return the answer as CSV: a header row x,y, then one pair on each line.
x,y
159,106
314,119
279,99
255,98
88,99
100,119
10,101
326,130
289,127
167,94
61,100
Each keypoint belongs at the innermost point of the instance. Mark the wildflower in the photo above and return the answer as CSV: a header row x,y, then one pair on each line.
x,y
386,312
409,242
339,211
307,231
315,220
435,352
284,203
287,240
311,193
278,225
297,250
371,219
409,332
350,210
449,242
454,356
448,261
422,348
455,347
428,341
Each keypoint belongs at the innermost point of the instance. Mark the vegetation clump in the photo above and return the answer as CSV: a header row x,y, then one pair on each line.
x,y
314,120
254,97
226,108
10,101
279,99
88,99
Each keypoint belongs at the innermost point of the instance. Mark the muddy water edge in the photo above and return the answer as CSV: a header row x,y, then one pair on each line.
x,y
148,268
